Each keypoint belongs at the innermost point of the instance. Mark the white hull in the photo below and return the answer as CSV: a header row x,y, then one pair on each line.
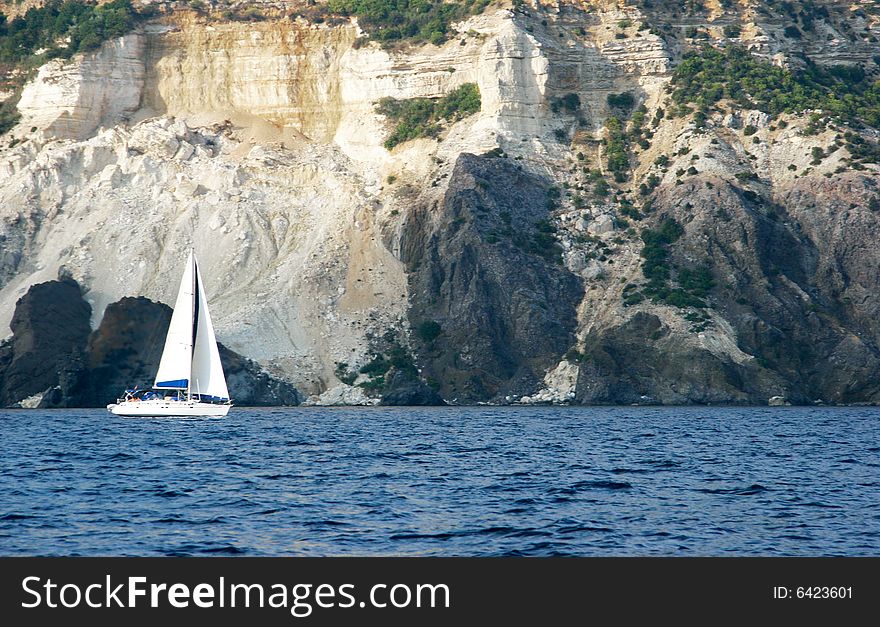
x,y
156,408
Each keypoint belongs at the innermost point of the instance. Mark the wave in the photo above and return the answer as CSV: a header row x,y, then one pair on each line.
x,y
583,529
188,550
168,494
818,504
755,488
175,519
581,486
14,516
225,550
119,455
447,535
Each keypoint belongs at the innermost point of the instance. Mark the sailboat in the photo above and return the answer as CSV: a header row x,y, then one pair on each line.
x,y
190,380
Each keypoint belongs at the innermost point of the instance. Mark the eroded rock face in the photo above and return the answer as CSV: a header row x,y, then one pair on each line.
x,y
798,275
124,351
251,385
505,306
641,361
341,394
71,100
796,291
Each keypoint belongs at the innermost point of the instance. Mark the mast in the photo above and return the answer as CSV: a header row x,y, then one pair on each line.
x,y
194,318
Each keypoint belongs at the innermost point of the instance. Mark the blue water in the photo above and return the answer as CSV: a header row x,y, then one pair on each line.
x,y
443,481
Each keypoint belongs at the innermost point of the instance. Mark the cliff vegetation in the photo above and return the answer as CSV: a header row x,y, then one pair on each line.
x,y
707,76
425,117
418,21
59,28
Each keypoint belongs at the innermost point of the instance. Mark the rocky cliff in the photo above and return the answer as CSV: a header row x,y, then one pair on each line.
x,y
584,237
493,307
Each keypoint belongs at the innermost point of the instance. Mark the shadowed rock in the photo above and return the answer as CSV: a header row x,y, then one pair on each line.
x,y
485,270
407,389
50,329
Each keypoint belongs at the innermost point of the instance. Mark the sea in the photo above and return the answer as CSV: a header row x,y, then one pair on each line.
x,y
453,481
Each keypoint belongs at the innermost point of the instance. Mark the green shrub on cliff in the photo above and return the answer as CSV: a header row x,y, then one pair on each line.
x,y
666,282
344,374
544,243
709,75
86,24
429,330
423,117
9,115
390,21
655,266
624,101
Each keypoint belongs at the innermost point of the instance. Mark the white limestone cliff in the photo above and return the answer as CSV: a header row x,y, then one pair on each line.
x,y
71,100
259,144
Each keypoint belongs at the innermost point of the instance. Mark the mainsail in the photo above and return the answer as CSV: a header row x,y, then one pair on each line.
x,y
176,363
191,360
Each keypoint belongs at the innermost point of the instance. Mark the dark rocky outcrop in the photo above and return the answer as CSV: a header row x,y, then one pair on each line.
x,y
640,361
491,304
250,385
796,278
407,389
125,349
50,329
78,368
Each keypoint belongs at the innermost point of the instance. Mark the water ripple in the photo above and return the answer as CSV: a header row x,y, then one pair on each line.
x,y
443,481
